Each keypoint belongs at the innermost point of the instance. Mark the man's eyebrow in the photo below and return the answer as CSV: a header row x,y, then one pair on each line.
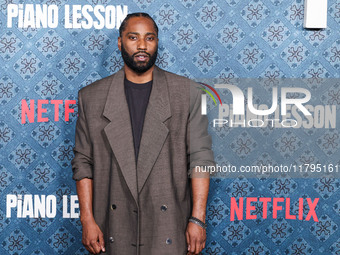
x,y
136,33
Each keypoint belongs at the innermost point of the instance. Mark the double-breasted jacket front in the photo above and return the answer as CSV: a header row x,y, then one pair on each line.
x,y
142,207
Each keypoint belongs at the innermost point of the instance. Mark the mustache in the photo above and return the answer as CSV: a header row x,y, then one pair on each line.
x,y
141,52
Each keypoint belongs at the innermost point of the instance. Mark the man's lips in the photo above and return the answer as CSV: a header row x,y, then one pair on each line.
x,y
142,56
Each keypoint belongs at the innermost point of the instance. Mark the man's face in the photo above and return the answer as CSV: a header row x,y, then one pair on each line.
x,y
139,44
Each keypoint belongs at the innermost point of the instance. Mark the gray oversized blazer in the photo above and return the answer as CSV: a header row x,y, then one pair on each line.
x,y
141,208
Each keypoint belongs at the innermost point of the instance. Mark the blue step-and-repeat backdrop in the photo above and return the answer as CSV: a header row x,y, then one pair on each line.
x,y
49,49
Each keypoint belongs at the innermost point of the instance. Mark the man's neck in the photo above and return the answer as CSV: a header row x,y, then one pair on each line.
x,y
138,77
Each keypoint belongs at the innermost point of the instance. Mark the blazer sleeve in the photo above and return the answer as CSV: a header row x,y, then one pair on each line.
x,y
198,140
82,163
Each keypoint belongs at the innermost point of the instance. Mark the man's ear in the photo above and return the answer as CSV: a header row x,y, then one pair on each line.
x,y
120,43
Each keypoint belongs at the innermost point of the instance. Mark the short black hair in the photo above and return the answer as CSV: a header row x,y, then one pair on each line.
x,y
135,14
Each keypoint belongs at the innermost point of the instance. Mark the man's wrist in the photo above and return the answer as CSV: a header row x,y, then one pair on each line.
x,y
86,219
198,222
199,215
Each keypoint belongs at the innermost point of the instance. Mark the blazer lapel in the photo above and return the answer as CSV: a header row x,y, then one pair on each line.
x,y
119,131
154,130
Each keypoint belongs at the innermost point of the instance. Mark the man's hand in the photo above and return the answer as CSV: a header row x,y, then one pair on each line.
x,y
93,238
195,234
196,237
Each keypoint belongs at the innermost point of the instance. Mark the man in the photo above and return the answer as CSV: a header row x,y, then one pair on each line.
x,y
132,154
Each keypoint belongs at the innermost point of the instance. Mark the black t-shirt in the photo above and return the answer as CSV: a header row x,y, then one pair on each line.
x,y
137,97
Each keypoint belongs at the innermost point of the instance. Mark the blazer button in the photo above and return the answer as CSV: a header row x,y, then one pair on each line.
x,y
113,207
168,241
111,239
164,208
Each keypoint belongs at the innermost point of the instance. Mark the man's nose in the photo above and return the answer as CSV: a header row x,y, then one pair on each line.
x,y
141,44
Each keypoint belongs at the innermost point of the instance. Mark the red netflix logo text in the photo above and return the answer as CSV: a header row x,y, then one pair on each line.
x,y
42,105
277,204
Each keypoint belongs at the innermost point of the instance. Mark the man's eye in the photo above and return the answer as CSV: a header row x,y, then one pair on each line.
x,y
150,38
132,37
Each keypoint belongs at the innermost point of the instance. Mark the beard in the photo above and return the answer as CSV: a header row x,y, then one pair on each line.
x,y
138,66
